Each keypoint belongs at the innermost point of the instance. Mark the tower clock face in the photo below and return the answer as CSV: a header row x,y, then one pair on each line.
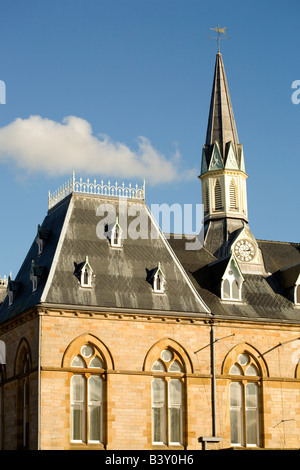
x,y
244,250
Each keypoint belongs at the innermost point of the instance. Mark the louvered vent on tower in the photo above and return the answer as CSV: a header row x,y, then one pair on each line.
x,y
218,197
232,196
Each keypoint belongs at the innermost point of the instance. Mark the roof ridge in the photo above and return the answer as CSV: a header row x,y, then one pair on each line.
x,y
278,241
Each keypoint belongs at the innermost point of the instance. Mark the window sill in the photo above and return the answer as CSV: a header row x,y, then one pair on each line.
x,y
166,447
84,446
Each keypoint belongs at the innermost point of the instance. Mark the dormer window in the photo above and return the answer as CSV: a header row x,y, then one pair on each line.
x,y
12,288
158,283
156,278
232,281
114,234
41,238
84,273
290,281
36,273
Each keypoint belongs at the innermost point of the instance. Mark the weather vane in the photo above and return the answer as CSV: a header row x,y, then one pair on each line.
x,y
219,30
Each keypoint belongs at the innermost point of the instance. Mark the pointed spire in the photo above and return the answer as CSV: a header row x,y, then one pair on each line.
x,y
221,124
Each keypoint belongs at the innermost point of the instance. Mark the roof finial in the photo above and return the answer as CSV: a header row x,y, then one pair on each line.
x,y
219,30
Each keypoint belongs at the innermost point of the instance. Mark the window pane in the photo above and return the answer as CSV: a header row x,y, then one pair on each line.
x,y
252,427
252,413
251,395
175,425
166,355
95,423
226,289
297,294
243,359
158,392
235,290
235,427
158,365
77,423
78,362
251,370
158,410
96,362
235,394
95,389
77,388
236,370
95,408
175,367
77,407
87,350
175,393
158,425
236,424
175,400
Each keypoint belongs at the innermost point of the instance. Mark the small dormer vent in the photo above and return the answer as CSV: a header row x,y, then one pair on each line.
x,y
36,273
156,279
42,236
84,273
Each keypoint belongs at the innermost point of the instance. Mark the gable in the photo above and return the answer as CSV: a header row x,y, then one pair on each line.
x,y
216,162
231,161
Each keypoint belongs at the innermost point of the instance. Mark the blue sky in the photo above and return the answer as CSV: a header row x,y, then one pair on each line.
x,y
126,69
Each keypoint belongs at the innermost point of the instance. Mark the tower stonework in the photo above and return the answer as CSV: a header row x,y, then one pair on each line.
x,y
223,173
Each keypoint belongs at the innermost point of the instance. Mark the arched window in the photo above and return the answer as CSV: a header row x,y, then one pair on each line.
x,y
218,196
231,290
232,196
226,289
244,402
22,370
167,399
86,396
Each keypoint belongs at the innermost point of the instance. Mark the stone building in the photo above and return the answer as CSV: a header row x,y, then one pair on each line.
x,y
115,341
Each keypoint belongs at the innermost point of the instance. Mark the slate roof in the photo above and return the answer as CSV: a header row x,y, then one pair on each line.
x,y
263,298
119,274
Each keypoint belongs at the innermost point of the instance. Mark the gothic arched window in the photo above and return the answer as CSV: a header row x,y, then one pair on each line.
x,y
167,399
22,370
86,396
244,402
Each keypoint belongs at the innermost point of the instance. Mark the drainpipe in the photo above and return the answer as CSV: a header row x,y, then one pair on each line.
x,y
39,380
214,438
213,381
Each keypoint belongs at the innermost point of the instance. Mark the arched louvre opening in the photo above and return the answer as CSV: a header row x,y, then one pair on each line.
x,y
206,192
218,196
232,196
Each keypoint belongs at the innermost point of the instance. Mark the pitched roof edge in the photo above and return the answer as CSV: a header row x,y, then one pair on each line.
x,y
57,251
177,262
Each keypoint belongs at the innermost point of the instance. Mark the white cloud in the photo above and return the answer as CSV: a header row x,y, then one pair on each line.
x,y
42,145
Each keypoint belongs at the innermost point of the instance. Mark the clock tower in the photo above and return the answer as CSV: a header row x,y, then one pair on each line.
x,y
223,177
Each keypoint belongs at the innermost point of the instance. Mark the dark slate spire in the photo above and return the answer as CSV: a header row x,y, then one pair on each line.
x,y
221,124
